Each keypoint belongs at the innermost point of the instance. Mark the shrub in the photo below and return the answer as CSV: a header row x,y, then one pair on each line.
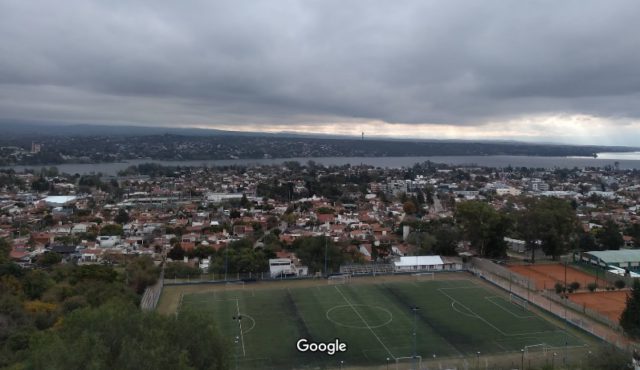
x,y
574,286
592,286
559,288
620,284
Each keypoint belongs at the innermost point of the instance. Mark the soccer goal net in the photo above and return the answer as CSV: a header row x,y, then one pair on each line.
x,y
423,276
518,301
406,363
338,279
535,350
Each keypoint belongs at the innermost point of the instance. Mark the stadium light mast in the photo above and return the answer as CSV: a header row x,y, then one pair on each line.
x,y
326,249
415,321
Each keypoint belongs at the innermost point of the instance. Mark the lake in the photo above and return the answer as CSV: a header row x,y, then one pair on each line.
x,y
625,160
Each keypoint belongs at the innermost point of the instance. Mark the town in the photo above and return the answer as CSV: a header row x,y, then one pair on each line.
x,y
241,224
369,214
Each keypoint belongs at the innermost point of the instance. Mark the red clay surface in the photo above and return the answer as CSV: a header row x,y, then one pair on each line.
x,y
545,276
608,303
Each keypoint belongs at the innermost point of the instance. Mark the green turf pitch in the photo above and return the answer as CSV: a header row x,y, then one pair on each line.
x,y
456,318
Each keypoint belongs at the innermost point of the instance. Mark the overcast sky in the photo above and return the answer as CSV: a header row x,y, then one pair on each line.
x,y
566,71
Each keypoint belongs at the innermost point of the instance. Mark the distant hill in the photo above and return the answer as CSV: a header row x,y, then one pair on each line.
x,y
86,143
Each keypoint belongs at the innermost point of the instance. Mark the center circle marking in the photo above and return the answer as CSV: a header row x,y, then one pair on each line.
x,y
361,325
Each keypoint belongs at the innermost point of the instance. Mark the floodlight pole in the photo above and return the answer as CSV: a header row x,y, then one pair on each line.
x,y
415,321
522,361
226,261
326,249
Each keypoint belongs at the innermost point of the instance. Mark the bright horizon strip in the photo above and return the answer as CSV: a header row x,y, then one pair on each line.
x,y
574,129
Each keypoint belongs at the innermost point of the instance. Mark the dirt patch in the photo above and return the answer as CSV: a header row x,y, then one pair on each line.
x,y
608,303
545,276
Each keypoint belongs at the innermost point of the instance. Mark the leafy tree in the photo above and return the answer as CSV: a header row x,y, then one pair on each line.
x,y
574,286
180,270
48,259
409,207
484,227
35,283
141,272
551,221
424,242
609,236
630,318
112,229
5,250
311,250
122,217
119,336
587,242
447,238
176,253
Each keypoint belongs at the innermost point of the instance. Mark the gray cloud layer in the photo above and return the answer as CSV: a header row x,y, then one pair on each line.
x,y
452,62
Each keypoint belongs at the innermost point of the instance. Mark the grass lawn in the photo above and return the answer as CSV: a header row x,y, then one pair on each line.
x,y
457,318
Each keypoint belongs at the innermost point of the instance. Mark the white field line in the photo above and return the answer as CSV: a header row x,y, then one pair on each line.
x,y
365,322
240,323
490,299
495,327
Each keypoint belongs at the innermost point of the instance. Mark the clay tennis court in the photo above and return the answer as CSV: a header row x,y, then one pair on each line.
x,y
608,303
545,276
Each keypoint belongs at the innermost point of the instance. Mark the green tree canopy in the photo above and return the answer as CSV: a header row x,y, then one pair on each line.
x,y
630,318
549,221
119,336
111,229
484,227
609,236
311,250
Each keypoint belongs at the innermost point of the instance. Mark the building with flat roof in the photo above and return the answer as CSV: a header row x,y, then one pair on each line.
x,y
624,258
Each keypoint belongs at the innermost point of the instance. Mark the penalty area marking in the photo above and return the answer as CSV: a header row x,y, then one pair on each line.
x,y
253,323
366,326
491,299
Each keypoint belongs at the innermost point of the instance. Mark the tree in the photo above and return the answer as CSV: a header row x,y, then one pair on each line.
x,y
122,217
484,227
630,318
409,207
311,250
141,272
112,229
245,202
609,236
119,336
5,250
424,242
587,242
48,259
550,222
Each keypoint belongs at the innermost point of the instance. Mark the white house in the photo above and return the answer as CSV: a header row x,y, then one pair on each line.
x,y
108,241
418,263
286,267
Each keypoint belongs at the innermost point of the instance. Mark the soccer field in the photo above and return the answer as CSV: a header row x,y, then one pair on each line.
x,y
457,318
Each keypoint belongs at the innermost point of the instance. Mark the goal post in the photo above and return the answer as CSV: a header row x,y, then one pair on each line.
x,y
536,350
425,276
518,301
405,363
338,279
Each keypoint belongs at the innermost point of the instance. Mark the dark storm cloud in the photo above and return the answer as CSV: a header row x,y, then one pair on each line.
x,y
454,62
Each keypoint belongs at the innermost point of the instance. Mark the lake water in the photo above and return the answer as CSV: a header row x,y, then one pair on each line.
x,y
625,160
